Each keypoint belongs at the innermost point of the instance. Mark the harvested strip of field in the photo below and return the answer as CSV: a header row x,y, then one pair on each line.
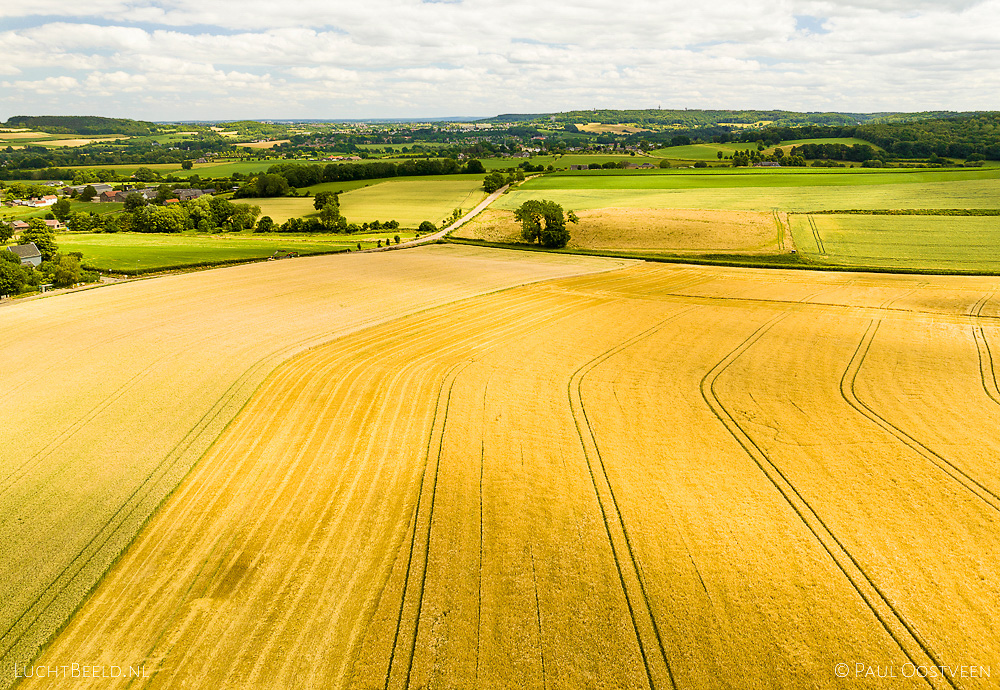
x,y
81,142
652,230
264,144
657,477
120,389
20,134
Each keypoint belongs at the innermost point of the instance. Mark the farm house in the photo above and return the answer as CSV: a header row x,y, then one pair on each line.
x,y
27,253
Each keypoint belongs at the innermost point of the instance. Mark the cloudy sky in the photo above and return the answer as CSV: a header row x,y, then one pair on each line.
x,y
226,59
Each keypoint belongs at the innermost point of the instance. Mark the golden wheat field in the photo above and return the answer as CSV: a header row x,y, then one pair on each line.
x,y
114,393
654,231
653,476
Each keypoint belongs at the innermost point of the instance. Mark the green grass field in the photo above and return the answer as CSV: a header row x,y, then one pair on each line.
x,y
412,200
792,192
408,200
700,152
709,152
563,161
131,251
281,209
11,213
224,168
848,141
911,242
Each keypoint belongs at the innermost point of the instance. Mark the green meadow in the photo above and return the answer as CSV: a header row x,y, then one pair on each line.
x,y
710,152
11,213
564,161
847,141
136,251
903,242
413,200
765,191
409,200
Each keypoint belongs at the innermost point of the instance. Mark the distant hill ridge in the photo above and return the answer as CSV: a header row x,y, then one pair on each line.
x,y
710,118
81,124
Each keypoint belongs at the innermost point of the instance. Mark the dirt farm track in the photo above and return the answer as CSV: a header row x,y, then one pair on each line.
x,y
458,467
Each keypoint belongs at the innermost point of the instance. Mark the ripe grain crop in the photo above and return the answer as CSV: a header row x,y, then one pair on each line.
x,y
652,230
658,477
120,389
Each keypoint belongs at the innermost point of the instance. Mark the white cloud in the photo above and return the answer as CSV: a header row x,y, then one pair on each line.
x,y
313,58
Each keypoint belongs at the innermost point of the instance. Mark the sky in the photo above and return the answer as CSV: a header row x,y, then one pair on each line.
x,y
355,59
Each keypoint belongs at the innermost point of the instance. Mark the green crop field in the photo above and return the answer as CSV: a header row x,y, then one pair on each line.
x,y
225,168
709,152
563,161
282,208
749,177
412,200
131,251
349,185
784,191
847,141
701,152
129,168
22,212
911,242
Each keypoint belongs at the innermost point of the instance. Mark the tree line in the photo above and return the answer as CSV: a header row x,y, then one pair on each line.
x,y
305,175
59,270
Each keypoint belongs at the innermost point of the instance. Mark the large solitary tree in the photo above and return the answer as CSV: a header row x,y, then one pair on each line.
x,y
544,222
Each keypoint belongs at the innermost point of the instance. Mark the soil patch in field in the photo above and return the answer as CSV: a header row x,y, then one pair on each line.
x,y
264,144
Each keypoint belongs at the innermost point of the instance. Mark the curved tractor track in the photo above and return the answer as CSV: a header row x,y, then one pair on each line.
x,y
660,477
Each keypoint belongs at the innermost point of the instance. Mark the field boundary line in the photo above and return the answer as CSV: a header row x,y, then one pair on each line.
x,y
647,632
909,640
848,391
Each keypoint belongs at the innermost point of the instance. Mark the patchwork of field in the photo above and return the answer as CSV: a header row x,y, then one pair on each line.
x,y
45,139
658,476
119,390
970,243
651,231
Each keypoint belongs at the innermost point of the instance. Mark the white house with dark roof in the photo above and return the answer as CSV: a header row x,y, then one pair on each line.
x,y
27,253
